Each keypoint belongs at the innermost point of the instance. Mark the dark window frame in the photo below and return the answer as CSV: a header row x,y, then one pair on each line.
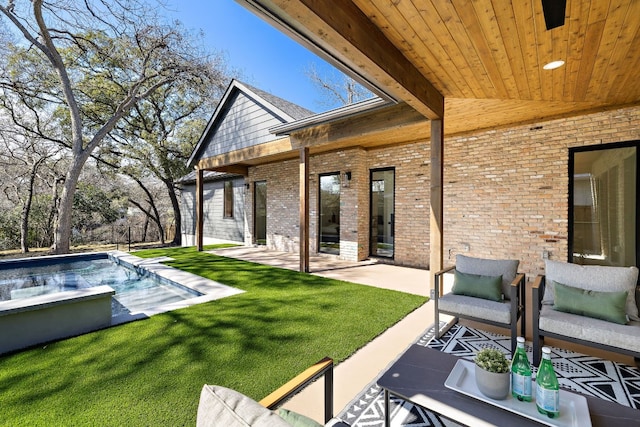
x,y
589,148
228,200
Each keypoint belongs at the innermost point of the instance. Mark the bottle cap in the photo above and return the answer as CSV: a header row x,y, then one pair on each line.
x,y
546,350
520,339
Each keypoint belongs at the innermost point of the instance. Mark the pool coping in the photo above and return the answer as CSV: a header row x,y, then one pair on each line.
x,y
210,289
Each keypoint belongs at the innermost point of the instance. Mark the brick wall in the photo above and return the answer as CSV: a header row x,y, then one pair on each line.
x,y
283,205
506,190
411,163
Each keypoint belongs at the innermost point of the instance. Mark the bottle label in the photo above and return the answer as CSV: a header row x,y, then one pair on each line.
x,y
548,400
521,385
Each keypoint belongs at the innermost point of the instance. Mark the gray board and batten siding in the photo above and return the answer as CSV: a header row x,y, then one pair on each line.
x,y
243,119
216,227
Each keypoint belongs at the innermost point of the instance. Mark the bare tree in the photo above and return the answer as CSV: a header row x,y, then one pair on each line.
x,y
158,137
90,63
336,89
24,160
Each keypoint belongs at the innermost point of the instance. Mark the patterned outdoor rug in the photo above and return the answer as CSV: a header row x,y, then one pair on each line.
x,y
589,375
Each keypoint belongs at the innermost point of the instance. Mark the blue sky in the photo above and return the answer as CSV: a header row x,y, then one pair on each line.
x,y
267,58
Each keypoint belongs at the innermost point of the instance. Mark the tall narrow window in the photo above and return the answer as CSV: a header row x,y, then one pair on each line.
x,y
329,221
382,212
603,205
228,199
260,212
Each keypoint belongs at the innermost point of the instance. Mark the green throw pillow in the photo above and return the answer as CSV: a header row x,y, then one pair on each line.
x,y
297,420
609,306
474,285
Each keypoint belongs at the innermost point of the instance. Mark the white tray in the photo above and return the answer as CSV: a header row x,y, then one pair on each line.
x,y
574,411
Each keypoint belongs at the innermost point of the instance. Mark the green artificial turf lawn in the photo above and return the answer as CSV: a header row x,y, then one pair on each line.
x,y
150,372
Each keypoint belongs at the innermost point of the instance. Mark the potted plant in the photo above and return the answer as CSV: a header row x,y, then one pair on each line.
x,y
493,373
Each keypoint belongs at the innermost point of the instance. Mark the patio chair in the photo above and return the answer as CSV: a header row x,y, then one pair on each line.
x,y
220,406
484,290
592,305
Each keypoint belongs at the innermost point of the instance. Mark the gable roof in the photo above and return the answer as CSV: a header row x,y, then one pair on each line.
x,y
280,110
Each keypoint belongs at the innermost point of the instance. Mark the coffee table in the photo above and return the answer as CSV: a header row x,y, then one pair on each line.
x,y
418,377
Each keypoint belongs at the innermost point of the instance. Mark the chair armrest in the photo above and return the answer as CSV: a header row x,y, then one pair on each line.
x,y
516,287
438,285
537,291
324,368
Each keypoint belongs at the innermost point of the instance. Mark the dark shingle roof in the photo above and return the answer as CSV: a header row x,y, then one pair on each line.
x,y
294,110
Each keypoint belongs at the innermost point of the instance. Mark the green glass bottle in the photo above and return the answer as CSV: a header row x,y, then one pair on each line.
x,y
547,387
521,373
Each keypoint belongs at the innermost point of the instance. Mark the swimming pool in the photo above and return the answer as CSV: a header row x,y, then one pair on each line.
x,y
49,298
136,290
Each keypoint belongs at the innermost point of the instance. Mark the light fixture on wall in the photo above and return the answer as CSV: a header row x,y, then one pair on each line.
x,y
346,179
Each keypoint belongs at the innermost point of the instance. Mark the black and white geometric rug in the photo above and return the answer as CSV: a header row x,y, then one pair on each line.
x,y
589,375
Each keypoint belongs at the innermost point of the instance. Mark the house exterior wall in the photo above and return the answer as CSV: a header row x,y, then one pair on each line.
x,y
245,123
411,201
216,228
505,192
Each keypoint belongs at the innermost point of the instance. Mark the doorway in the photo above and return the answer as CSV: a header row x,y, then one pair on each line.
x,y
382,212
329,221
260,212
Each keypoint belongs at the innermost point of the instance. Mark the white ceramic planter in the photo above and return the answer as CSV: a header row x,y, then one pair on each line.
x,y
495,386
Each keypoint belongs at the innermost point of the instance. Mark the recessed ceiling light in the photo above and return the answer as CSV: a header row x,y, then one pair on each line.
x,y
553,65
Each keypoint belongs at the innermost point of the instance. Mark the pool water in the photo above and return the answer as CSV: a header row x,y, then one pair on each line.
x,y
134,291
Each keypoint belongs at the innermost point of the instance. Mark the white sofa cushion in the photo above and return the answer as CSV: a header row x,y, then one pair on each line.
x,y
507,268
476,307
593,278
220,406
589,329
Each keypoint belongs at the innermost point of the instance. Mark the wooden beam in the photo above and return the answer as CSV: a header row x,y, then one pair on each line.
x,y
199,208
272,148
304,210
235,169
436,200
367,125
346,37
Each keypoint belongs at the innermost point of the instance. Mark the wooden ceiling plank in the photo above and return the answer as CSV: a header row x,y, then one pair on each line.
x,y
526,30
513,50
575,46
544,39
448,77
617,39
471,23
559,40
403,35
488,20
446,26
587,64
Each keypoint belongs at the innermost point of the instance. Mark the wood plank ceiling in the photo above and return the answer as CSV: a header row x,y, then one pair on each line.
x,y
486,57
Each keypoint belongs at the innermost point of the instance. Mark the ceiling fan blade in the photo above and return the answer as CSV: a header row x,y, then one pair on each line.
x,y
554,11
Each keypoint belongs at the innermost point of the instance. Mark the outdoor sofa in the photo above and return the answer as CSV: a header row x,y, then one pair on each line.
x,y
484,290
587,304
